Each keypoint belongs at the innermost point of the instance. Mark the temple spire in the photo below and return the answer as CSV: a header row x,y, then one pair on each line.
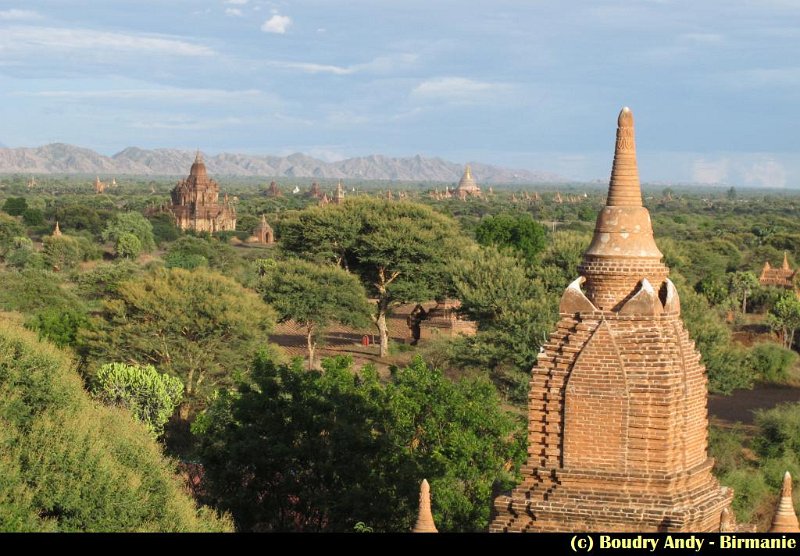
x,y
785,261
425,522
785,520
624,189
57,230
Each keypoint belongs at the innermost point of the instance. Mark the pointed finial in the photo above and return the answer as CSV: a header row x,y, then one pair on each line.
x,y
785,520
263,220
425,522
468,172
198,157
785,261
726,521
624,189
57,230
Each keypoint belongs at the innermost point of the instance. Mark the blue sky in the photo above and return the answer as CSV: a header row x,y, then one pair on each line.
x,y
529,84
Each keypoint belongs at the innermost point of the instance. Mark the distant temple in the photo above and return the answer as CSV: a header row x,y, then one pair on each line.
x,y
263,233
99,187
338,197
617,419
274,190
441,320
782,277
195,203
315,192
467,186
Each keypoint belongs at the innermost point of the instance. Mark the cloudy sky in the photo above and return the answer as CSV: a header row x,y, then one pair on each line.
x,y
530,84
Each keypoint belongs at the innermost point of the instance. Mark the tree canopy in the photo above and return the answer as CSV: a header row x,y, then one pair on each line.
x,y
314,296
398,249
70,464
197,325
279,451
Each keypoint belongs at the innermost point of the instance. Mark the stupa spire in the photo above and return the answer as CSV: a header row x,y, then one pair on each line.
x,y
785,261
57,230
425,522
785,520
624,189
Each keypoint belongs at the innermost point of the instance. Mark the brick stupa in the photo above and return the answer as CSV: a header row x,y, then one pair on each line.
x,y
617,405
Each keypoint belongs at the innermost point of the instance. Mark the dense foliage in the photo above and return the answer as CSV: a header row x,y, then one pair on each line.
x,y
69,464
197,325
303,450
149,395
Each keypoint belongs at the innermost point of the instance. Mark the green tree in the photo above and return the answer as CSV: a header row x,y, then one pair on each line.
x,y
513,311
515,231
15,206
784,318
59,325
398,249
314,296
278,451
149,395
130,223
197,325
33,217
62,252
70,464
128,246
742,284
10,230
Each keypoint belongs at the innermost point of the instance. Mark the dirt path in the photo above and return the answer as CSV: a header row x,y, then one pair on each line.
x,y
739,407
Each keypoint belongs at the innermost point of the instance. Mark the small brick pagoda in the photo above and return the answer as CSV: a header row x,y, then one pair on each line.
x,y
195,203
782,277
618,425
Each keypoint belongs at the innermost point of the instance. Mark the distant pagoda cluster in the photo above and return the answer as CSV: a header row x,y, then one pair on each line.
x,y
196,205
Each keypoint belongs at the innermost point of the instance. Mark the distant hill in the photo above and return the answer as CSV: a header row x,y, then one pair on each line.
x,y
60,158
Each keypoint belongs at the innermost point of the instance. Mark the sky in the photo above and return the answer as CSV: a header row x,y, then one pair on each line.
x,y
529,84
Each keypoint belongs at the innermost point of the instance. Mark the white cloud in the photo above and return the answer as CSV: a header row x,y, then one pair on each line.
x,y
235,12
381,64
238,2
277,24
183,95
18,15
61,39
310,67
458,89
187,123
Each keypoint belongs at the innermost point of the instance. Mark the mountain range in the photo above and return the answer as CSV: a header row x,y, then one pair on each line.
x,y
60,158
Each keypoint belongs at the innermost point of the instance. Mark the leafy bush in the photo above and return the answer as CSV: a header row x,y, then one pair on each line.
x,y
770,362
151,397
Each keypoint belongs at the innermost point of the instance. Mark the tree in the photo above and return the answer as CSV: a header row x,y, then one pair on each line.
x,y
33,217
61,252
128,246
398,249
70,464
278,450
314,296
742,284
197,325
150,396
513,311
784,317
130,223
15,206
10,230
519,232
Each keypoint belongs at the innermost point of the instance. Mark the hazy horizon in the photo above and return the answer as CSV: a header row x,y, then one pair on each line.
x,y
517,85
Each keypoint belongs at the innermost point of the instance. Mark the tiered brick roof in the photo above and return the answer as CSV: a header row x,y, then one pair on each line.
x,y
617,406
